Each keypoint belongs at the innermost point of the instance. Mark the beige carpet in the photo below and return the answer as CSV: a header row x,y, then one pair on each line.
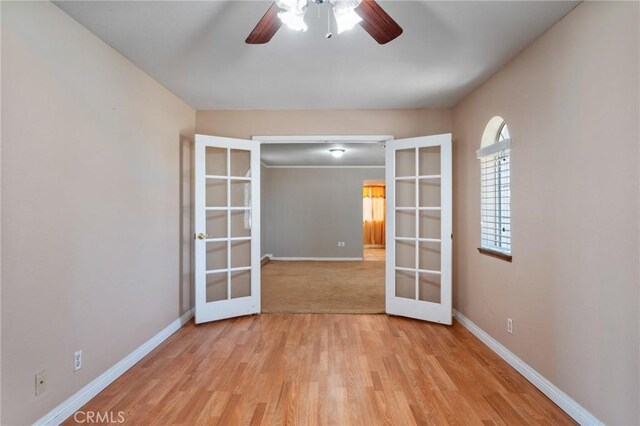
x,y
323,287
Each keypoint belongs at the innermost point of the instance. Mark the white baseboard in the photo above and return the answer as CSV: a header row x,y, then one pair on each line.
x,y
266,256
319,259
564,401
84,395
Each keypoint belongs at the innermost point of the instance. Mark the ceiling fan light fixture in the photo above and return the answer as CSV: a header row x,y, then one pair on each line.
x,y
369,14
337,152
291,5
293,14
346,20
293,21
345,15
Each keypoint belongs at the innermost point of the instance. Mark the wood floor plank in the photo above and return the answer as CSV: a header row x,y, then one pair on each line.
x,y
324,369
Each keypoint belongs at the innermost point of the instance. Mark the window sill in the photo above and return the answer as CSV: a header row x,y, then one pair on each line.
x,y
496,254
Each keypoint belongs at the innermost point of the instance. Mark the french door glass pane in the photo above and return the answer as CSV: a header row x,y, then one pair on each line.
x,y
216,287
406,254
406,162
429,222
429,192
406,223
240,284
429,287
429,256
240,254
429,160
405,193
240,193
240,162
215,161
216,193
216,224
406,284
216,255
241,223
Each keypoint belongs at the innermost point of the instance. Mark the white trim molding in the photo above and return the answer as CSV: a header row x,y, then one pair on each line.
x,y
97,385
323,138
561,399
322,167
319,259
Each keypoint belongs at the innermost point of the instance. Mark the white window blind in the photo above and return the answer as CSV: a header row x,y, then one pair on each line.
x,y
495,205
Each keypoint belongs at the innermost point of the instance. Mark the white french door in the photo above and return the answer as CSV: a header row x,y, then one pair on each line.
x,y
227,227
418,270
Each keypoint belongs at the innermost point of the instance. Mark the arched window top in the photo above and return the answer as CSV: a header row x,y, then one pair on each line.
x,y
503,134
495,137
496,131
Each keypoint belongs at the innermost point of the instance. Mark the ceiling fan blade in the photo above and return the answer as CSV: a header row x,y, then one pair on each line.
x,y
266,27
377,22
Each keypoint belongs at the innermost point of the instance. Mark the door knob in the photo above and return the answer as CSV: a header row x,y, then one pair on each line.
x,y
201,236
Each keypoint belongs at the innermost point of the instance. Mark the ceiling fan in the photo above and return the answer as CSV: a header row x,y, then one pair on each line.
x,y
347,14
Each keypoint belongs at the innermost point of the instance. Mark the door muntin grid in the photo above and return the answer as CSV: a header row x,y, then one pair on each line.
x,y
418,223
228,238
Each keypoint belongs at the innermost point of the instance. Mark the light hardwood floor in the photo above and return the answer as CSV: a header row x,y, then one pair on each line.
x,y
317,369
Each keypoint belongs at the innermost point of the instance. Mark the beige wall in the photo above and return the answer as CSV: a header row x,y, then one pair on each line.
x,y
94,204
305,215
399,123
571,101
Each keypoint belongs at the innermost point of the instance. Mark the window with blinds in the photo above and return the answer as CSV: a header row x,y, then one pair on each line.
x,y
495,189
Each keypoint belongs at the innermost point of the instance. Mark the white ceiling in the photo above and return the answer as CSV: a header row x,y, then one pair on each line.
x,y
197,50
317,154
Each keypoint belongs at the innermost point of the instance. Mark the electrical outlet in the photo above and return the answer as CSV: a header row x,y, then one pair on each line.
x,y
77,361
339,243
509,325
41,382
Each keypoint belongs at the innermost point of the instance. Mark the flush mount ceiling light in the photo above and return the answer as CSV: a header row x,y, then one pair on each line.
x,y
347,13
337,152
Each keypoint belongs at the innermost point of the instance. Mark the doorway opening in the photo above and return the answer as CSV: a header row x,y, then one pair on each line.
x,y
373,220
313,232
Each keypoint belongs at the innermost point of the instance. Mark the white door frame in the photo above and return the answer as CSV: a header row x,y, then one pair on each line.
x,y
323,138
